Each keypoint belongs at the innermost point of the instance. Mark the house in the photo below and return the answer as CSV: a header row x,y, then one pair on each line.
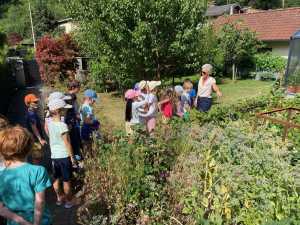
x,y
215,11
67,25
272,27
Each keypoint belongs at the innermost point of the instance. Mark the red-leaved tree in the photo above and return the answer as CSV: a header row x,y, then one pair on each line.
x,y
56,58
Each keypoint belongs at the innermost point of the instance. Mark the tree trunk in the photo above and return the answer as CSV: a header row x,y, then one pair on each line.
x,y
233,72
158,66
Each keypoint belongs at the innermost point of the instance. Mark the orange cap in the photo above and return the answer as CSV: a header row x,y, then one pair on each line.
x,y
30,98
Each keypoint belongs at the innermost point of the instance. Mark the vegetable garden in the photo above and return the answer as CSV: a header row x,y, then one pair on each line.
x,y
213,170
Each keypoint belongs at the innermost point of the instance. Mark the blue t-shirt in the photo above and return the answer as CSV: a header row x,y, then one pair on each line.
x,y
86,111
32,118
192,93
18,187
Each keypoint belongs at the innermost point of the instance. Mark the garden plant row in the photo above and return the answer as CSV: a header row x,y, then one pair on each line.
x,y
214,170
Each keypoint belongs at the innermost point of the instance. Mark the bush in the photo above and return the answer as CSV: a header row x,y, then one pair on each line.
x,y
56,57
270,62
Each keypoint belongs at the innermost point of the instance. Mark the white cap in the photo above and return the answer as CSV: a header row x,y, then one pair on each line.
x,y
58,95
142,84
58,103
178,89
154,84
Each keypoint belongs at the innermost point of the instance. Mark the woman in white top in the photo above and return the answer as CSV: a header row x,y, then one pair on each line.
x,y
206,85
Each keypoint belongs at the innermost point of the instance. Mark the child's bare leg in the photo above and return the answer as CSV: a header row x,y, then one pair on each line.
x,y
68,191
57,190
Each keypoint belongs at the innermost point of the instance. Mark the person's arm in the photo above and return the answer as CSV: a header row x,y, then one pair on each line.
x,y
39,207
151,111
37,134
46,128
162,102
66,138
6,213
197,93
217,90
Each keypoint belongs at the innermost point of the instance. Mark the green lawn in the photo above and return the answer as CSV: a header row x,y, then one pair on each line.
x,y
234,91
111,109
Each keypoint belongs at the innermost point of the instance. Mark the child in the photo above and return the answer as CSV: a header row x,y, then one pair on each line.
x,y
129,96
179,110
150,115
33,120
166,105
61,152
22,185
89,123
187,92
73,90
72,118
137,104
186,99
52,96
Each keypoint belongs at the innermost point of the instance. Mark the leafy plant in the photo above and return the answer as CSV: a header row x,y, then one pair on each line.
x,y
270,62
56,57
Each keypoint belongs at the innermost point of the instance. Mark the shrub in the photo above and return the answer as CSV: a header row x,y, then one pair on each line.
x,y
56,57
270,62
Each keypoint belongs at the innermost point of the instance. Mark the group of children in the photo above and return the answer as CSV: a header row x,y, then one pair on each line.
x,y
23,180
142,105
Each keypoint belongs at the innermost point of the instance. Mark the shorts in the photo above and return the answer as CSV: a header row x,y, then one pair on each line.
x,y
204,104
62,169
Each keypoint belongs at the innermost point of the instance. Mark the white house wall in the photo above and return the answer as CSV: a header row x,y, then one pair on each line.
x,y
279,48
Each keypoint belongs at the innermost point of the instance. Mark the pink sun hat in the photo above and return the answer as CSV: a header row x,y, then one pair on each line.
x,y
130,94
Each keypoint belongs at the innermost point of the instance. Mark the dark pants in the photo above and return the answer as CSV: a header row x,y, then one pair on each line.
x,y
75,140
204,104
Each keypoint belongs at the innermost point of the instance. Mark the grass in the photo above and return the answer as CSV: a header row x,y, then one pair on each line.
x,y
110,109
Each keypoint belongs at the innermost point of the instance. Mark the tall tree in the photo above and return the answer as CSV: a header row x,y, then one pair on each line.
x,y
132,39
239,46
15,16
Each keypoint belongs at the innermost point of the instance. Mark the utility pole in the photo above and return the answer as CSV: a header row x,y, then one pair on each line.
x,y
31,22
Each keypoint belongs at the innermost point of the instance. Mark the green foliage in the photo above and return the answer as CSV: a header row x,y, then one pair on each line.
x,y
15,17
3,48
270,62
220,172
238,46
238,177
139,39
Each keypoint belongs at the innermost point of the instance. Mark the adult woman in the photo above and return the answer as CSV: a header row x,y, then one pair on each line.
x,y
206,85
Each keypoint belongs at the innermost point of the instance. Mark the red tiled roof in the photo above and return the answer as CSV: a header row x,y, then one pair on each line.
x,y
270,25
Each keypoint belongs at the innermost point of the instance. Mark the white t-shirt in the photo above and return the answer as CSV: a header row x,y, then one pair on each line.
x,y
57,144
135,119
205,90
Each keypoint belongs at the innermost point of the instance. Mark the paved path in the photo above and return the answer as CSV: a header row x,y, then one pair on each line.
x,y
61,216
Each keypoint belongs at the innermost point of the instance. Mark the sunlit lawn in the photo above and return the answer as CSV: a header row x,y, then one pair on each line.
x,y
110,108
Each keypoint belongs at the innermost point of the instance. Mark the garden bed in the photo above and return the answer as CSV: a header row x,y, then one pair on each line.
x,y
214,170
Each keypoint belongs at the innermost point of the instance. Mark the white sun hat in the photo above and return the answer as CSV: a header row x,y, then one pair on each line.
x,y
58,103
178,89
153,84
58,95
143,84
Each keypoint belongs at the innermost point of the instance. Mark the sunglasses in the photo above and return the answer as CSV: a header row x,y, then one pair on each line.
x,y
204,72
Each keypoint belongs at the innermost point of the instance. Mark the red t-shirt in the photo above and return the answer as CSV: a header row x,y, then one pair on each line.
x,y
167,109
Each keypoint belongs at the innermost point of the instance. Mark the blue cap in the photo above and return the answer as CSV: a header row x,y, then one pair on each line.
x,y
90,94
